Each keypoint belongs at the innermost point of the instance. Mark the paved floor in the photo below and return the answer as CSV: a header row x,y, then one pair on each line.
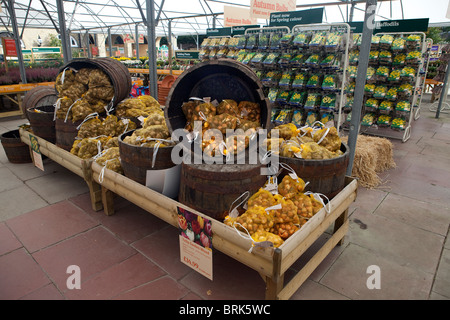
x,y
47,225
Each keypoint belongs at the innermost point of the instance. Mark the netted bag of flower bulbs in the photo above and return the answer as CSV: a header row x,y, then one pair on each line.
x,y
80,110
149,101
90,128
110,159
64,80
228,106
131,107
154,119
98,78
82,75
75,91
148,135
249,111
88,147
105,94
62,108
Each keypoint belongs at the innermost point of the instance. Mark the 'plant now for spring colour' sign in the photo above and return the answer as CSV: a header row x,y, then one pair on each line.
x,y
263,8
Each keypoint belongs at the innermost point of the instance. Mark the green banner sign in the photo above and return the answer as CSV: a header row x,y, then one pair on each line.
x,y
186,55
218,32
293,18
356,27
235,30
394,26
46,50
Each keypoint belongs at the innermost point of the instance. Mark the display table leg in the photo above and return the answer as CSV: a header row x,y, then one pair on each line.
x,y
108,201
338,223
94,188
275,283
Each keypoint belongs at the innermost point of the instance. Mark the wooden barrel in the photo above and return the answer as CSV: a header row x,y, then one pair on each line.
x,y
218,79
42,123
212,188
136,160
37,97
117,72
66,132
16,151
324,176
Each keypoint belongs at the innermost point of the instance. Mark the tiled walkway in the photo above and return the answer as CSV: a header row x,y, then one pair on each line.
x,y
47,225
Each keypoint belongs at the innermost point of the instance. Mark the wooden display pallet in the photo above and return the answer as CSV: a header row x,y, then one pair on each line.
x,y
71,162
270,263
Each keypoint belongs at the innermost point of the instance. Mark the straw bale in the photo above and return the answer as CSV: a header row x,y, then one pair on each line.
x,y
373,155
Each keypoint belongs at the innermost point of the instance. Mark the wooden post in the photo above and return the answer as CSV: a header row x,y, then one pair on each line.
x,y
94,187
338,223
108,201
275,283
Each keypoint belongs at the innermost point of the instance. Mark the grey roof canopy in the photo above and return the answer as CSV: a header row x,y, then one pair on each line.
x,y
121,16
151,17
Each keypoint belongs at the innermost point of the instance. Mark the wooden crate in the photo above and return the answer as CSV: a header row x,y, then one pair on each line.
x,y
71,162
270,263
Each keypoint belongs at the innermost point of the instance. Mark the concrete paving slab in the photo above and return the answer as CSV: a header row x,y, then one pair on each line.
x,y
416,213
8,180
349,277
399,242
58,186
312,290
20,200
28,171
442,281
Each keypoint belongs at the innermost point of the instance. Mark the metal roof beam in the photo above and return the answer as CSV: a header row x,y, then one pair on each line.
x,y
26,17
49,16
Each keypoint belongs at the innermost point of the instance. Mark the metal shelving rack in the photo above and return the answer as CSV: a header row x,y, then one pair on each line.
x,y
419,85
429,44
331,27
342,27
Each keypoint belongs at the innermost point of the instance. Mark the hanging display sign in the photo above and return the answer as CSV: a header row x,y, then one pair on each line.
x,y
9,47
218,32
241,29
141,38
128,38
264,8
293,18
44,50
393,26
235,16
195,242
186,55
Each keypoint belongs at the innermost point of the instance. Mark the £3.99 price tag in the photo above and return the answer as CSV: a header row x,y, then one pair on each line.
x,y
196,257
195,242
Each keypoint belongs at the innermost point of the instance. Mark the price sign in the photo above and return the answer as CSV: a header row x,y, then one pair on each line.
x,y
36,152
195,242
196,257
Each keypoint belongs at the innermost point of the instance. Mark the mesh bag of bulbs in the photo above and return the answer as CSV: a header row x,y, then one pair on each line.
x,y
226,115
153,133
98,137
309,142
276,211
81,93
